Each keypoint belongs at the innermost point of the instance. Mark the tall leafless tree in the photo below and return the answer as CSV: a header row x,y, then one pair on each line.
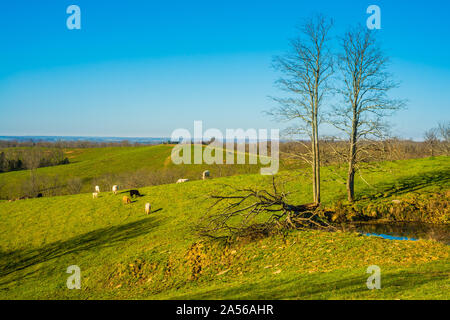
x,y
364,94
306,70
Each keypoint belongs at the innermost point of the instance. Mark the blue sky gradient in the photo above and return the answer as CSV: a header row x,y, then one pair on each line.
x,y
145,68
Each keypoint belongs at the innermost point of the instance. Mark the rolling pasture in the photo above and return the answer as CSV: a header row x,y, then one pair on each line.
x,y
105,166
125,254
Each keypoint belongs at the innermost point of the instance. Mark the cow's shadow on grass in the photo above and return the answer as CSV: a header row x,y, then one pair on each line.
x,y
17,260
410,184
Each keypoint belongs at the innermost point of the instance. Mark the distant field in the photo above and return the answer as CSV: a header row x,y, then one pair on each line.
x,y
125,254
93,164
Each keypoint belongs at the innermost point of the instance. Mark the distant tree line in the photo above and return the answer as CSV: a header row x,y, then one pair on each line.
x,y
72,144
31,158
332,152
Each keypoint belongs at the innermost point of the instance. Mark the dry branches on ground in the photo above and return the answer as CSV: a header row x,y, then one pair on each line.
x,y
248,211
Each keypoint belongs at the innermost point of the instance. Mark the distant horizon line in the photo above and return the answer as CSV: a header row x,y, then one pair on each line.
x,y
81,136
122,138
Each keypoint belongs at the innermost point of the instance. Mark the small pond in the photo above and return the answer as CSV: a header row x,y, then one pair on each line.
x,y
402,230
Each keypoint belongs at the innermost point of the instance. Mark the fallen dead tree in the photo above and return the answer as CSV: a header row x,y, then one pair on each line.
x,y
251,211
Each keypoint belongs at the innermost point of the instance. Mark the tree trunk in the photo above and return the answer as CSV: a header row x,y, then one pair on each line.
x,y
351,182
317,171
314,165
351,163
315,133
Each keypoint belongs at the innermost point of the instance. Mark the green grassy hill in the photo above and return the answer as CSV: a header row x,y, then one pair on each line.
x,y
125,254
106,166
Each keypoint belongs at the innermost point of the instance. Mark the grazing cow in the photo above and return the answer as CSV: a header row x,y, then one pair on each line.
x,y
97,189
134,193
148,208
182,180
94,195
205,174
126,200
114,189
39,195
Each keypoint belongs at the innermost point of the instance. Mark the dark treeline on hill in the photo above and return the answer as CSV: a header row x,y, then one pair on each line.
x,y
31,158
73,143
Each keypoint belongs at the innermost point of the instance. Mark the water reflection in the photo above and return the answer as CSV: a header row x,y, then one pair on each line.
x,y
402,230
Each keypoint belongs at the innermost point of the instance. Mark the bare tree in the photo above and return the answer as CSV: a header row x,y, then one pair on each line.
x,y
431,140
32,158
444,133
365,103
74,185
306,68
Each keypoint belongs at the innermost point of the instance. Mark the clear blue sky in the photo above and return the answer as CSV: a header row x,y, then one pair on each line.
x,y
145,68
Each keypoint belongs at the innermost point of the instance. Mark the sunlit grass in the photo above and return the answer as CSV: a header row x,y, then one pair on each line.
x,y
124,253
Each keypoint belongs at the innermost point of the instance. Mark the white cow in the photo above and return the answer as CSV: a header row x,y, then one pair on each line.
x,y
148,208
182,180
205,174
95,195
114,189
97,189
